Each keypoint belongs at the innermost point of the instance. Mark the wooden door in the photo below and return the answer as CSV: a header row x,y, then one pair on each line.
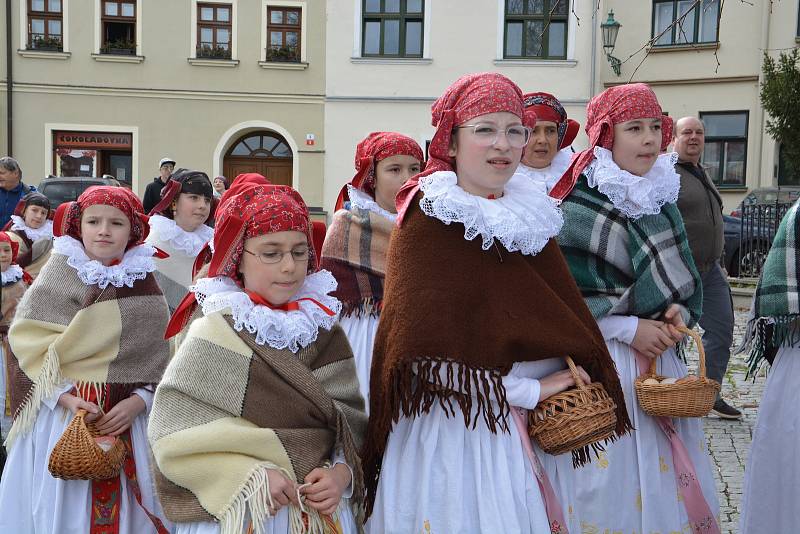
x,y
263,152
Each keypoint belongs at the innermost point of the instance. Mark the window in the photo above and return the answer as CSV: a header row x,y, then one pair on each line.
x,y
45,25
214,30
725,155
392,28
536,29
685,22
786,175
283,34
118,21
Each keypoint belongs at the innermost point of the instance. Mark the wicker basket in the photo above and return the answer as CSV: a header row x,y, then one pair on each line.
x,y
687,399
76,456
573,418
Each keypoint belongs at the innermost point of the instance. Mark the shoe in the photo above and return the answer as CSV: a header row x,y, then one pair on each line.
x,y
725,411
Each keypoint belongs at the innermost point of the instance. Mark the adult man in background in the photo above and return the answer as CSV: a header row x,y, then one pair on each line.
x,y
153,192
701,207
11,188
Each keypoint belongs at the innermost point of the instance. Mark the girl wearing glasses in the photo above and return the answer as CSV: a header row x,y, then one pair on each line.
x,y
479,307
257,422
626,246
356,244
179,225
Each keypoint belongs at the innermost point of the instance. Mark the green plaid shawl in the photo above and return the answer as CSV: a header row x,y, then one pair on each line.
x,y
625,266
776,304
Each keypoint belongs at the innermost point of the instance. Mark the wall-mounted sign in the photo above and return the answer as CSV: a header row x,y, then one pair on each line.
x,y
93,140
310,139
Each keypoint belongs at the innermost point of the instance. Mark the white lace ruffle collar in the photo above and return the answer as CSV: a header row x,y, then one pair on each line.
x,y
360,199
190,243
12,275
135,265
635,196
548,176
34,234
277,328
523,219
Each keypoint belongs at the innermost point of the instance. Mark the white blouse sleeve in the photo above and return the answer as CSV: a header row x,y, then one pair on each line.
x,y
52,401
619,327
338,458
146,396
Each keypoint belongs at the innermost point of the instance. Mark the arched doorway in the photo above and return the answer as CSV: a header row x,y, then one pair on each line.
x,y
265,152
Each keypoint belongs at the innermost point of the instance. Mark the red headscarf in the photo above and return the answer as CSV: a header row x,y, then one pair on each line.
x,y
613,106
67,220
470,96
250,208
4,238
546,107
375,147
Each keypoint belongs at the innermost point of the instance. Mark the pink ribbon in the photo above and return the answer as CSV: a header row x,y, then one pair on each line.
x,y
555,514
701,519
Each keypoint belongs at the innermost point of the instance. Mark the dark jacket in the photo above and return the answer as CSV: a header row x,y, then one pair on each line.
x,y
9,200
701,208
152,194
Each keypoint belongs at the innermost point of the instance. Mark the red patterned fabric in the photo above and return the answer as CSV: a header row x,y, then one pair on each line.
x,y
470,96
613,106
4,238
546,107
376,147
67,220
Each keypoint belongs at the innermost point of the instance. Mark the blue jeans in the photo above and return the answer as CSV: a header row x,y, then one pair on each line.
x,y
717,322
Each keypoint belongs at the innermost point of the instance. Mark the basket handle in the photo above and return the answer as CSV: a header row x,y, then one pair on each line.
x,y
574,370
701,351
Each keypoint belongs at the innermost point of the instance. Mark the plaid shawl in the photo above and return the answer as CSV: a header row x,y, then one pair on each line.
x,y
628,267
228,409
65,330
355,252
776,305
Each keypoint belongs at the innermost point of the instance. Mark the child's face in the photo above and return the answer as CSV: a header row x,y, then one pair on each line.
x,y
5,256
191,210
636,145
35,216
390,175
274,265
484,168
105,231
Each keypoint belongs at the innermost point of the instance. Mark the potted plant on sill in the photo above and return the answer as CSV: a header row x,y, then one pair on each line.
x,y
46,43
283,54
119,47
213,52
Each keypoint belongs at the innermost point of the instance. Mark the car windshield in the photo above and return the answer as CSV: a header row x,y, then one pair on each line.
x,y
60,192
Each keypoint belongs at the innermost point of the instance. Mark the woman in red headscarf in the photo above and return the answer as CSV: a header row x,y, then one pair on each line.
x,y
256,424
549,151
357,241
626,246
479,310
86,340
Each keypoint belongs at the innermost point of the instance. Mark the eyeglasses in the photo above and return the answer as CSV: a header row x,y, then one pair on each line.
x,y
299,255
487,135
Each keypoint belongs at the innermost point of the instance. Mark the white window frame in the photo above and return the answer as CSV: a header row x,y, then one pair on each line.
x,y
23,26
572,28
426,38
98,27
234,28
265,5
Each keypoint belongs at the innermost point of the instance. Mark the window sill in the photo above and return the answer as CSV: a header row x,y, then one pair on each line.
x,y
283,65
732,188
203,62
115,58
42,54
684,47
392,60
537,62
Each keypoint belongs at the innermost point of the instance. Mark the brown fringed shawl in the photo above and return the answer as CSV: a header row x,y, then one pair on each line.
x,y
452,307
355,253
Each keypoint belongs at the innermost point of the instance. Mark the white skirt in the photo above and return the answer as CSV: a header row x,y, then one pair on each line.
x,y
360,332
32,501
631,487
771,498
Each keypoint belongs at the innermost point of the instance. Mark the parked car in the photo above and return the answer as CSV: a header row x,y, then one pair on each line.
x,y
744,254
768,195
60,189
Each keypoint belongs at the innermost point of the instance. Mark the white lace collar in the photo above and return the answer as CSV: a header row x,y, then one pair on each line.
x,y
277,328
633,195
360,199
190,243
548,176
34,234
11,275
135,265
523,219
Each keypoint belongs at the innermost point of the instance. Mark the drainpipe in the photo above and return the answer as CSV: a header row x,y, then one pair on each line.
x,y
760,115
9,84
594,52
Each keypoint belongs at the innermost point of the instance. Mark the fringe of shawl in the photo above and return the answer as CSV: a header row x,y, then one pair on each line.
x,y
764,335
366,307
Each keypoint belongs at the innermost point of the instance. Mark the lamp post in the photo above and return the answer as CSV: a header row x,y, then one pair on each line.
x,y
610,30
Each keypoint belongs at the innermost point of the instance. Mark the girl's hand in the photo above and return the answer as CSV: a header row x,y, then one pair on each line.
x,y
651,338
327,487
674,320
560,381
282,490
119,418
74,403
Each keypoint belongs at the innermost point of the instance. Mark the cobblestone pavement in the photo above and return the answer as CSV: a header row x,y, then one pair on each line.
x,y
729,441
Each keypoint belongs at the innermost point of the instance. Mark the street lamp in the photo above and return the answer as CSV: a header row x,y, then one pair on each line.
x,y
610,30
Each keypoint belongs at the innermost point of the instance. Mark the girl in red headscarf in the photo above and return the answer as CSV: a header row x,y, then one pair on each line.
x,y
479,310
86,343
357,241
626,246
256,424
